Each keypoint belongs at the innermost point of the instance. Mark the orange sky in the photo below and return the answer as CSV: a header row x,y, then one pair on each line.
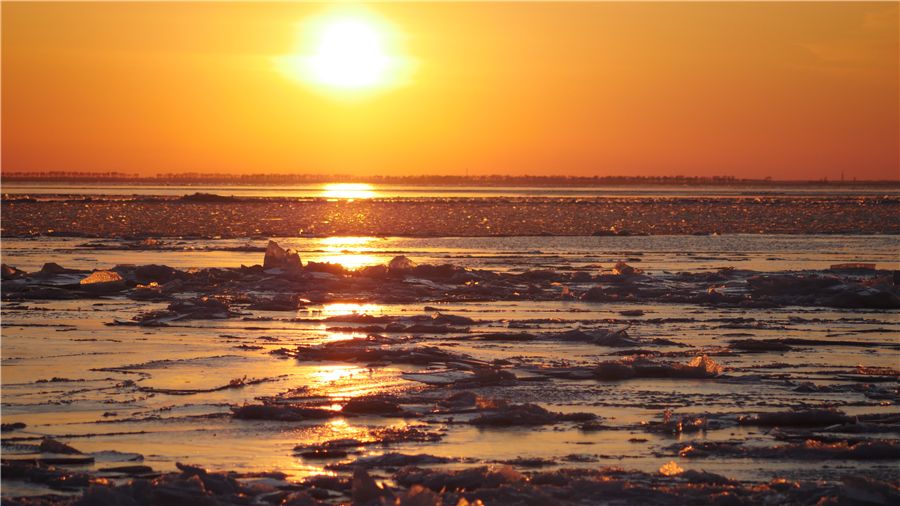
x,y
790,90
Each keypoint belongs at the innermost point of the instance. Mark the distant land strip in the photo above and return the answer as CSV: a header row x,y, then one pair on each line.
x,y
422,180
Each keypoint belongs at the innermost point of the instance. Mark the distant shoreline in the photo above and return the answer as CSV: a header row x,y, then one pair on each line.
x,y
190,179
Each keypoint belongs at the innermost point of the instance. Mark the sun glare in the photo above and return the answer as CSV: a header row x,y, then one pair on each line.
x,y
347,52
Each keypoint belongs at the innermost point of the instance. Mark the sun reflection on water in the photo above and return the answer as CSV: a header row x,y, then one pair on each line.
x,y
340,429
327,374
342,243
342,382
348,191
352,262
331,336
346,251
342,309
304,470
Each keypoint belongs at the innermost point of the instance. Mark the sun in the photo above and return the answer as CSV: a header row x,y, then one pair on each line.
x,y
347,53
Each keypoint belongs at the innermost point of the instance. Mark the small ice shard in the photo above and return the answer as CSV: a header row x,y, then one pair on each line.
x,y
670,469
806,387
428,283
707,364
594,294
364,489
7,272
868,491
53,446
491,403
459,400
291,260
101,277
812,418
263,412
274,255
421,496
9,427
508,415
792,285
172,286
852,266
373,271
159,273
861,297
440,377
370,406
401,263
452,319
610,370
625,269
54,268
104,281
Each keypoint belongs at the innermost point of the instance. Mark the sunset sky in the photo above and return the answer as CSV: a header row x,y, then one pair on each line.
x,y
801,90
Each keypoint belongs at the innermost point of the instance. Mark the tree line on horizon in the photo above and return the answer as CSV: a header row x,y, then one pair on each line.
x,y
434,180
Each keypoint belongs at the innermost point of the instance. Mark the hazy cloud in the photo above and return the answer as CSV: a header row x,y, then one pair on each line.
x,y
883,19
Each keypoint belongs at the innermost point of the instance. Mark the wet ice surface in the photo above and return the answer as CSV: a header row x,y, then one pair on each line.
x,y
166,393
765,253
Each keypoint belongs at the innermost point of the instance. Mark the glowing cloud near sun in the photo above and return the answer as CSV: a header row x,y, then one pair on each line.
x,y
347,53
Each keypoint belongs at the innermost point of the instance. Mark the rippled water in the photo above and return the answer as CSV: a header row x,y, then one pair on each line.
x,y
67,373
45,190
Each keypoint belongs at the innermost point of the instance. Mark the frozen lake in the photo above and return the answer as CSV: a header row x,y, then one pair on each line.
x,y
74,370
